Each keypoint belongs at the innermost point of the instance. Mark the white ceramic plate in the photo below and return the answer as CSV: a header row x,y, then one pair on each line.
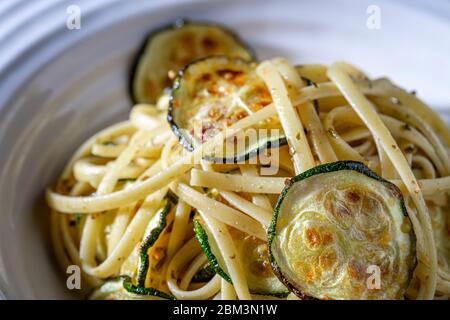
x,y
58,86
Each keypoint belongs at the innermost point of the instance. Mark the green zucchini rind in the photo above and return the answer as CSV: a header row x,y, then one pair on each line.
x,y
275,294
152,237
170,47
260,278
252,150
212,93
173,198
139,290
330,223
202,238
205,274
122,288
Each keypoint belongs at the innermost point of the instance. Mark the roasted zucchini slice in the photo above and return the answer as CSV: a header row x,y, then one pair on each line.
x,y
338,226
211,94
169,48
141,261
254,257
255,261
153,232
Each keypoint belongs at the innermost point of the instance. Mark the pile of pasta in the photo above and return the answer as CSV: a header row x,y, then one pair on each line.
x,y
115,183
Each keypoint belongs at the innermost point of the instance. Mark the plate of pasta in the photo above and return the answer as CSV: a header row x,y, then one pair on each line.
x,y
210,166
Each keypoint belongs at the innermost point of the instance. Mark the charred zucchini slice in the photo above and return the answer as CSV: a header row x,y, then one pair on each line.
x,y
153,232
255,261
122,288
254,257
336,226
211,94
169,48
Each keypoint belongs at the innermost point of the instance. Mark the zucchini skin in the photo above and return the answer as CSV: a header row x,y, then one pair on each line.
x,y
205,274
326,168
202,238
140,290
128,286
272,294
267,144
170,112
172,197
214,266
150,240
177,24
